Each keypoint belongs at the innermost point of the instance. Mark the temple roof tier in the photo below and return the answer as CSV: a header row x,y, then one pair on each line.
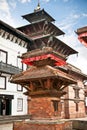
x,y
72,69
45,59
44,56
41,28
81,30
35,73
38,16
82,35
53,42
40,52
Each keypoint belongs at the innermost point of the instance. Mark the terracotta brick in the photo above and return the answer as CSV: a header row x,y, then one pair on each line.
x,y
43,108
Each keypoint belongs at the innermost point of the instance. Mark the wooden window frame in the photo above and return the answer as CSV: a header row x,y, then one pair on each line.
x,y
55,105
18,89
4,83
22,66
6,55
19,104
77,107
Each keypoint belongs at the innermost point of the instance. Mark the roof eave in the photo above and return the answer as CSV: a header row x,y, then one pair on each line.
x,y
15,31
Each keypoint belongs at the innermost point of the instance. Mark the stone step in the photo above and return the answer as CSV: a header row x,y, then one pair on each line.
x,y
13,118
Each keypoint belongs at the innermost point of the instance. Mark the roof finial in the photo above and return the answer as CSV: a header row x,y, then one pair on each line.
x,y
38,6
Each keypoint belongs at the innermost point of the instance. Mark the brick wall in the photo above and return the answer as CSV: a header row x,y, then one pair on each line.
x,y
43,108
69,109
76,114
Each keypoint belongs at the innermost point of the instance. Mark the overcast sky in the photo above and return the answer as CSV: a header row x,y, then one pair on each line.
x,y
69,15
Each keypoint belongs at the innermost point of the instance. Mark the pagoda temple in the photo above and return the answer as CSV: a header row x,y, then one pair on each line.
x,y
82,35
45,79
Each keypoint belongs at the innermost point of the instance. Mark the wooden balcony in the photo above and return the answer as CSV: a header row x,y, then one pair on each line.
x,y
8,68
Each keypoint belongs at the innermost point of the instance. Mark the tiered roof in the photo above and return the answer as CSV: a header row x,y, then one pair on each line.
x,y
44,56
40,29
43,33
58,45
33,74
38,16
82,35
45,52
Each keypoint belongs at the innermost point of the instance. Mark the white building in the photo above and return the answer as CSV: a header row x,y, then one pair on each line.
x,y
12,44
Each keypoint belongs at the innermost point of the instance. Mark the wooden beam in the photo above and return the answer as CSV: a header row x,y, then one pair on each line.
x,y
19,40
48,83
49,30
0,31
25,45
42,83
40,28
27,31
6,35
3,34
26,87
63,87
55,45
11,37
31,86
59,47
34,29
45,26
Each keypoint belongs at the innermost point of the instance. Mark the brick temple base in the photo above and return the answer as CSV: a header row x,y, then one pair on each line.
x,y
44,108
43,125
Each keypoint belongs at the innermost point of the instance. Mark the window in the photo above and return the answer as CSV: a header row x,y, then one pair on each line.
x,y
3,56
77,108
55,105
76,90
19,104
19,88
2,82
19,64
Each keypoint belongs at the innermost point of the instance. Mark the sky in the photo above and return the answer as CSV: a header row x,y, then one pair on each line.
x,y
69,15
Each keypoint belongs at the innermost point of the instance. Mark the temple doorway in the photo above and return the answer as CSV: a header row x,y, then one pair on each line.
x,y
5,105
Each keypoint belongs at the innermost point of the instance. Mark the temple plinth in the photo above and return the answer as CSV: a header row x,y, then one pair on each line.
x,y
44,82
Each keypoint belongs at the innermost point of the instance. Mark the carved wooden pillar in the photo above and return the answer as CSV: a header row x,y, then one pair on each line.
x,y
48,83
31,86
